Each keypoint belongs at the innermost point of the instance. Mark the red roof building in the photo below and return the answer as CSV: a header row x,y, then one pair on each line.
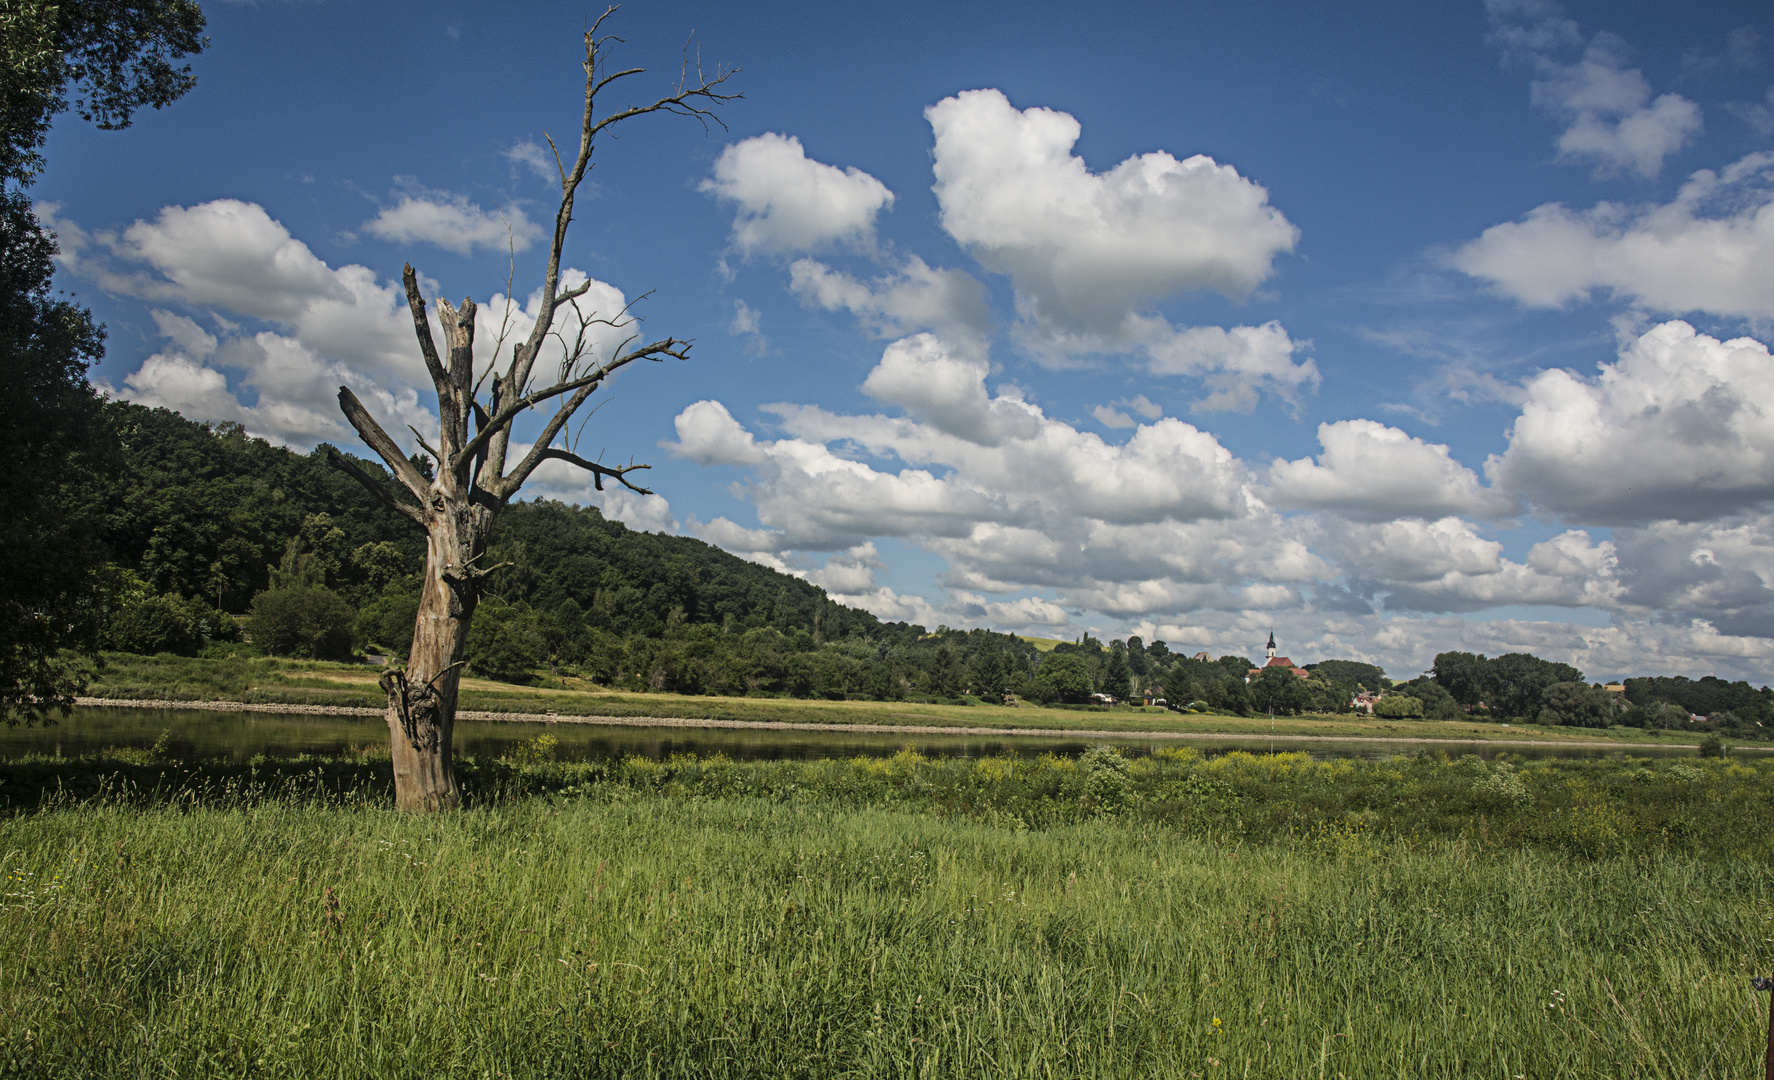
x,y
1271,660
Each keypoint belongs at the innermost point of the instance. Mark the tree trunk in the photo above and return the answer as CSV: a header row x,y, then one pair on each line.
x,y
422,698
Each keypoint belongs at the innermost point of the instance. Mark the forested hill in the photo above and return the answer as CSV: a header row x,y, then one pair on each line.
x,y
200,512
642,580
196,509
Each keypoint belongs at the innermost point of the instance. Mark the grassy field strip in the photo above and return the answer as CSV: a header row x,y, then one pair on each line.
x,y
260,680
786,725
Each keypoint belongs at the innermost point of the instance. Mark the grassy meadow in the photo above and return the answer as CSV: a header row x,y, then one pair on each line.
x,y
1171,915
303,682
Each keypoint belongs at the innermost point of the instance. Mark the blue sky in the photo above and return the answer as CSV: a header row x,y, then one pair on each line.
x,y
1398,327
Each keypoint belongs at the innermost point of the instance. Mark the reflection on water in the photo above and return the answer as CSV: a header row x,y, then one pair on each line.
x,y
197,734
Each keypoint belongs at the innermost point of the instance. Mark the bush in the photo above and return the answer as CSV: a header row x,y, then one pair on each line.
x,y
1399,707
154,623
1438,704
308,621
387,621
1107,779
1229,694
1503,787
1712,746
1576,704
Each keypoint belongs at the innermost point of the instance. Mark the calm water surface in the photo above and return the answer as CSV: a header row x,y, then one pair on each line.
x,y
198,734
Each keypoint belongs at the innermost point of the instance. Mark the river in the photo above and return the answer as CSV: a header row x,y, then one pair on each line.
x,y
197,734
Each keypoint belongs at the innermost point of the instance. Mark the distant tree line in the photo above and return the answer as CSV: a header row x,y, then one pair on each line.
x,y
1523,687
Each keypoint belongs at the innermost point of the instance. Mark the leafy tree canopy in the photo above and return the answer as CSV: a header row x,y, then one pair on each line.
x,y
1351,673
116,55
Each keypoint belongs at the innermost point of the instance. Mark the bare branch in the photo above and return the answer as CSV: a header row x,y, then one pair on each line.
x,y
698,101
425,446
422,327
505,314
658,350
378,440
598,472
433,680
562,169
516,478
683,103
362,476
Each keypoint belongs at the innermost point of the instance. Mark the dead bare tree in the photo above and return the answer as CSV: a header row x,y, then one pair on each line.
x,y
473,482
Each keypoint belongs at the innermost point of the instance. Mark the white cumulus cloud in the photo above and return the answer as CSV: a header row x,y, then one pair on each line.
x,y
789,202
1446,566
1012,498
1235,364
1710,250
1088,250
317,327
708,435
1371,472
946,388
1680,427
914,297
453,223
1717,572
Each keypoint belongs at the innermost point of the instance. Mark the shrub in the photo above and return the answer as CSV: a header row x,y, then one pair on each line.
x,y
1438,704
1712,746
154,623
146,622
388,620
309,621
1577,704
1399,707
1503,787
538,751
1107,781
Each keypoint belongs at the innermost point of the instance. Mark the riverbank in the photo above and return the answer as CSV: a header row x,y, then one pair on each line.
x,y
263,681
713,723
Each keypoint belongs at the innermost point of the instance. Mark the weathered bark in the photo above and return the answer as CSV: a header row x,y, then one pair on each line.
x,y
456,507
422,696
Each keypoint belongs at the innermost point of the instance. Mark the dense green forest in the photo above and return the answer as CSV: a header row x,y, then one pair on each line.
x,y
201,521
1520,686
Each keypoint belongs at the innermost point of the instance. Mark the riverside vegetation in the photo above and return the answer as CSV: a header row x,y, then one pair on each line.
x,y
1165,915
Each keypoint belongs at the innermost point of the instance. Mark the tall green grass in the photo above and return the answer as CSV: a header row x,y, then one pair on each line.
x,y
1714,809
644,922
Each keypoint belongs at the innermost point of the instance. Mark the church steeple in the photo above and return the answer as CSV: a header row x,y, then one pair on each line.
x,y
1269,653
